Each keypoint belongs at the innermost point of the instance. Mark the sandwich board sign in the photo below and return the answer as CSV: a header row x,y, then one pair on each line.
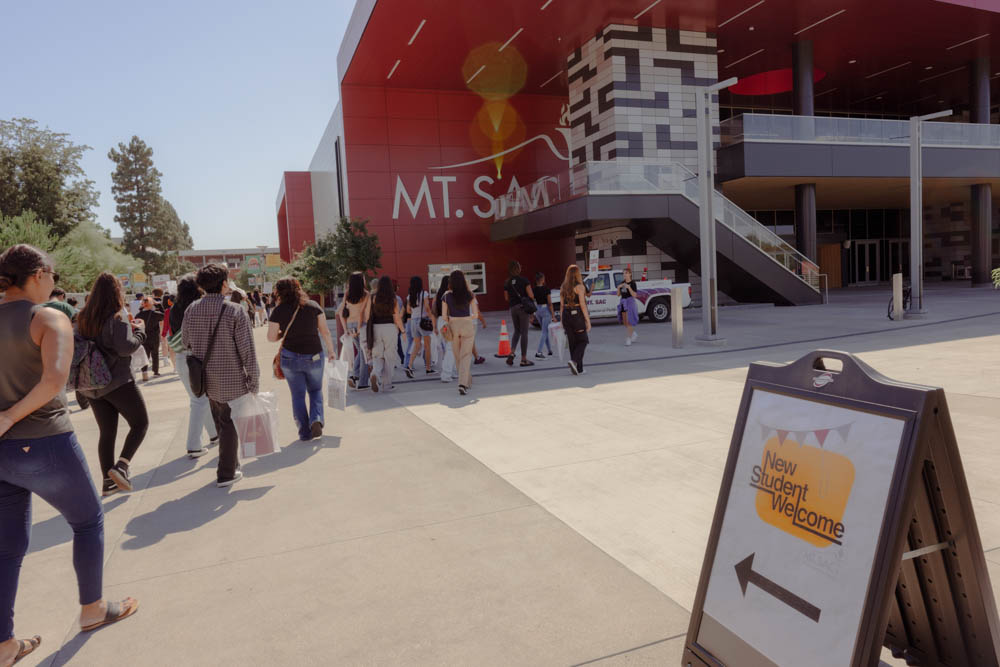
x,y
843,523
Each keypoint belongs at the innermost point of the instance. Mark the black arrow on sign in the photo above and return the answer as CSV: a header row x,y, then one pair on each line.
x,y
746,575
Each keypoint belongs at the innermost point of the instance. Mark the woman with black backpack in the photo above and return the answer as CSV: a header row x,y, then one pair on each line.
x,y
521,298
420,326
101,321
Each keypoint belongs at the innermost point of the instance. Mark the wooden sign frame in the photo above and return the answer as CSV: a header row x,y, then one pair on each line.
x,y
928,597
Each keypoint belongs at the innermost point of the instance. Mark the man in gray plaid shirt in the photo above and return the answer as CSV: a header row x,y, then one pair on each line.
x,y
231,370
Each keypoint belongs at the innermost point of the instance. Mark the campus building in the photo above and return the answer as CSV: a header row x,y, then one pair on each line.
x,y
473,133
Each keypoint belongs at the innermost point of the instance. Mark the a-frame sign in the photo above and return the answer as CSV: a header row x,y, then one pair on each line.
x,y
843,522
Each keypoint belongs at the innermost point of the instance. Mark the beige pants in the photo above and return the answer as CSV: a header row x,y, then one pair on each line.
x,y
384,354
464,329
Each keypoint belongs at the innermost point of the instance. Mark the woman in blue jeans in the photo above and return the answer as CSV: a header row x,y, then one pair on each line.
x,y
39,452
200,418
298,323
353,316
543,297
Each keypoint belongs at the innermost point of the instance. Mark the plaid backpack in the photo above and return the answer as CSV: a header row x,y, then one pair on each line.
x,y
89,368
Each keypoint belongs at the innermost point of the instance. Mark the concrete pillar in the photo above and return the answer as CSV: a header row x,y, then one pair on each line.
x,y
982,233
981,223
803,105
802,79
805,219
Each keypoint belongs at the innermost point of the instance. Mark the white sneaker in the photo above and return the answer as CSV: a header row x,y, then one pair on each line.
x,y
635,335
628,341
572,368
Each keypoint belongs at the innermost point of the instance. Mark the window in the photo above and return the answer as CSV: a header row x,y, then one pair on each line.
x,y
824,222
784,223
601,282
619,278
340,178
859,223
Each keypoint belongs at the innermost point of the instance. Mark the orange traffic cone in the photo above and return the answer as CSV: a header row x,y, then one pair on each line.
x,y
503,349
645,269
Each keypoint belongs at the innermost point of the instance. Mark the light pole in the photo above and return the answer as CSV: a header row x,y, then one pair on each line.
x,y
917,212
706,191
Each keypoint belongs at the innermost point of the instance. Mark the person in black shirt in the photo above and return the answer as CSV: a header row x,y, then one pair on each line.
x,y
544,314
152,318
299,322
516,290
628,312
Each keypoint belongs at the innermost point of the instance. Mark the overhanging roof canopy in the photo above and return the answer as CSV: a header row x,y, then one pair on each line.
x,y
879,55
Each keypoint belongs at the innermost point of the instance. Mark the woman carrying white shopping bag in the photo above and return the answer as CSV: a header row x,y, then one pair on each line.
x,y
337,373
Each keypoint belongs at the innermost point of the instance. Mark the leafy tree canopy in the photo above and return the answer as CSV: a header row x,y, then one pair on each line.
x,y
87,251
326,264
152,229
25,228
40,171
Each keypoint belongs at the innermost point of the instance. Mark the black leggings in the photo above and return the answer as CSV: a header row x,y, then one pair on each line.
x,y
153,352
577,345
126,401
520,320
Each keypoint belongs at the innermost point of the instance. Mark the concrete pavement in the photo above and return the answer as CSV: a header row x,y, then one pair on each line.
x,y
537,520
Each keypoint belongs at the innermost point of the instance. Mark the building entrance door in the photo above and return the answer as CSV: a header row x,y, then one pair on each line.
x,y
899,258
865,256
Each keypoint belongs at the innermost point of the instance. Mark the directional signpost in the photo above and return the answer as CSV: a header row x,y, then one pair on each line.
x,y
844,523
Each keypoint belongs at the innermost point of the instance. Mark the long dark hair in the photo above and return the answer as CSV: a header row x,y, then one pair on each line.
x,y
416,287
290,291
459,288
19,262
384,302
106,300
355,287
440,296
187,293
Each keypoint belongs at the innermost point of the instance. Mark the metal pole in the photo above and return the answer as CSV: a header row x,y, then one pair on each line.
x,y
706,199
917,212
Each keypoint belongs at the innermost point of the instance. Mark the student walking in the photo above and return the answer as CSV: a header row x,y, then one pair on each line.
x,y
101,321
39,452
299,322
218,332
445,353
461,311
384,327
353,316
575,317
420,325
166,351
628,312
151,319
521,298
200,416
544,314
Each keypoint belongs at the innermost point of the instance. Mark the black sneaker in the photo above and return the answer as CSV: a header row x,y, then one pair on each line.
x,y
119,473
230,481
316,430
213,442
409,372
431,371
462,389
196,453
510,359
539,356
109,488
352,382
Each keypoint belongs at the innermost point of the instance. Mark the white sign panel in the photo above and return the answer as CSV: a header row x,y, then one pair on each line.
x,y
160,280
595,256
172,286
800,531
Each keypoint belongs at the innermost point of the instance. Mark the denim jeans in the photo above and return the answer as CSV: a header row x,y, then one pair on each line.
x,y
304,374
55,469
544,318
446,356
201,413
361,370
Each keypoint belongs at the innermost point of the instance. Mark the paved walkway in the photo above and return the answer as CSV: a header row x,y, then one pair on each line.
x,y
538,520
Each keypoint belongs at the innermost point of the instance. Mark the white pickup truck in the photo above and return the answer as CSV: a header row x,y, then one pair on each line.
x,y
652,297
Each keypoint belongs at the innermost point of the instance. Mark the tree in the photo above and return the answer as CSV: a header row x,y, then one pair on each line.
x,y
25,228
86,252
40,171
327,263
152,229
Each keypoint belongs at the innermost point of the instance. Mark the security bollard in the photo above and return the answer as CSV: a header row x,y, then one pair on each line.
x,y
897,297
677,314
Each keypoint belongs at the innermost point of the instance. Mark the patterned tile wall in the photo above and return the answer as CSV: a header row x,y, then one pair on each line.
x,y
632,94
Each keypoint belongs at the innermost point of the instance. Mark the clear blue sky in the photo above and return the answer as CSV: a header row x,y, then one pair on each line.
x,y
229,94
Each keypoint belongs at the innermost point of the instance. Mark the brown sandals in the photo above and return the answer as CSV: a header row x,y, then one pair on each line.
x,y
26,646
116,612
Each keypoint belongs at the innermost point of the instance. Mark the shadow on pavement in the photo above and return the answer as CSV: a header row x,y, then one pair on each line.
x,y
185,514
290,455
65,653
55,531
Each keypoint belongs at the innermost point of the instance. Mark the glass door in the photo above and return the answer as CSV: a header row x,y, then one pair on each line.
x,y
899,257
866,262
